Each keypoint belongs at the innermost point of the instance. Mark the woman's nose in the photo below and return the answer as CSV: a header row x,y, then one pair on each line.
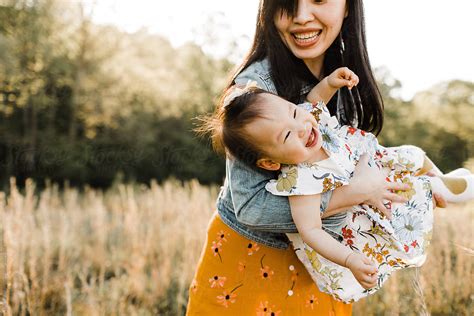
x,y
303,13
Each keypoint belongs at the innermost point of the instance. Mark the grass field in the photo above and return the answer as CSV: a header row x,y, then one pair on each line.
x,y
132,250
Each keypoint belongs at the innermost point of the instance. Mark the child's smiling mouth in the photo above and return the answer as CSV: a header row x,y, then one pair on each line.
x,y
312,139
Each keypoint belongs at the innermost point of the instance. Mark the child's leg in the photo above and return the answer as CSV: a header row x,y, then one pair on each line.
x,y
429,166
454,189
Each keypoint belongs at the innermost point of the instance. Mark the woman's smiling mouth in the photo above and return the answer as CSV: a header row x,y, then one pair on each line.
x,y
306,38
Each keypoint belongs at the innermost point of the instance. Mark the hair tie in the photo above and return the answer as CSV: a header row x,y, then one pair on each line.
x,y
237,92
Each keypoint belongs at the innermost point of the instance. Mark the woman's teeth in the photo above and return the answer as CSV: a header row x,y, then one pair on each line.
x,y
306,36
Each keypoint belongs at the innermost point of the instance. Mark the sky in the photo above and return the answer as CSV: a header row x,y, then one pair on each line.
x,y
421,42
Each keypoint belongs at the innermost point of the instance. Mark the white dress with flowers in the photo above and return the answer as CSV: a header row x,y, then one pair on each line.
x,y
391,244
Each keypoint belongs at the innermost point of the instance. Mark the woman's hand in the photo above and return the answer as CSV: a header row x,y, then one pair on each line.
x,y
438,199
373,187
363,270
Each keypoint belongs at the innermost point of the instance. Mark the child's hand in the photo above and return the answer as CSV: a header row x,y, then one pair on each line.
x,y
363,270
342,77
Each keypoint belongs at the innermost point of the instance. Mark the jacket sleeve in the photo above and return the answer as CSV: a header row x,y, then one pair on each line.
x,y
259,73
254,206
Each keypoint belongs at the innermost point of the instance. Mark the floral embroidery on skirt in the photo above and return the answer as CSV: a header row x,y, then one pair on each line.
x,y
236,276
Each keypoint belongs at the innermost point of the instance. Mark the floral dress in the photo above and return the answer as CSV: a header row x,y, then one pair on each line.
x,y
391,244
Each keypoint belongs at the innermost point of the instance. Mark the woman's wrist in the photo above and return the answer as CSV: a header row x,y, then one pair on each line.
x,y
355,191
345,197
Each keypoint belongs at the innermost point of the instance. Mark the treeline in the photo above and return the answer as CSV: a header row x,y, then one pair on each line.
x,y
90,104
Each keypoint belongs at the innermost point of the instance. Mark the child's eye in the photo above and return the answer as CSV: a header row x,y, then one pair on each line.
x,y
294,114
286,137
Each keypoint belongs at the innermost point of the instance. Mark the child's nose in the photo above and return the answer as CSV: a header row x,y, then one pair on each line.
x,y
302,130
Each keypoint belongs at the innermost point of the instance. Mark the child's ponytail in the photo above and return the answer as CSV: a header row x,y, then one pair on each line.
x,y
237,108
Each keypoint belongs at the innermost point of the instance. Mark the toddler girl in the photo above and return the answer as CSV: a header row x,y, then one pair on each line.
x,y
352,253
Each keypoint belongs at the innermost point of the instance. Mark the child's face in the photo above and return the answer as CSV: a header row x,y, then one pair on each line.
x,y
287,134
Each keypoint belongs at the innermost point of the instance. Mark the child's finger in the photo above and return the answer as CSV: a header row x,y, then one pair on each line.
x,y
370,270
356,79
369,267
353,79
367,285
370,279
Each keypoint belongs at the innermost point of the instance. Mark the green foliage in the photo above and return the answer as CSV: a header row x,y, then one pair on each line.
x,y
439,121
88,103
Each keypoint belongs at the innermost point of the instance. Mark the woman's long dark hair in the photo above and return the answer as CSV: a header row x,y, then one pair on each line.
x,y
290,73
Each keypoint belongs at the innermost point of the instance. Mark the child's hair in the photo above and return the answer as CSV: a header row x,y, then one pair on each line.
x,y
226,125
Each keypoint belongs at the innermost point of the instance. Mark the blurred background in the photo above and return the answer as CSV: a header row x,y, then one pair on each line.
x,y
100,171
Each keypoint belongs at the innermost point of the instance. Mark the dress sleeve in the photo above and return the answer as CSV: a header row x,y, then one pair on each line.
x,y
306,179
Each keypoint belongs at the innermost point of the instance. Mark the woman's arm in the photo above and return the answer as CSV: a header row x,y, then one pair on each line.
x,y
368,185
253,205
258,209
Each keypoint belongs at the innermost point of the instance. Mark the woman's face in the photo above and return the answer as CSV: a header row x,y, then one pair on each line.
x,y
313,28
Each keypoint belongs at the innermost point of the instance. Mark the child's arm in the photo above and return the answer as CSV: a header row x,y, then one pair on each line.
x,y
326,88
308,223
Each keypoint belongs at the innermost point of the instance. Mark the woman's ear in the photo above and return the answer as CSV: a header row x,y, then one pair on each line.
x,y
347,11
268,164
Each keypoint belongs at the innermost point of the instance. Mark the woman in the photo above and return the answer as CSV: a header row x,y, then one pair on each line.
x,y
247,266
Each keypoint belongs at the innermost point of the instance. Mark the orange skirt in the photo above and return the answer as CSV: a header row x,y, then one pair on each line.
x,y
236,276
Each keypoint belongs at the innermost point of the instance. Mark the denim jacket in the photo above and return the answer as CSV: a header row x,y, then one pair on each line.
x,y
243,202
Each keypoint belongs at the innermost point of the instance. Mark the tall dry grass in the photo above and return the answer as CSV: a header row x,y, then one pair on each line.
x,y
132,251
